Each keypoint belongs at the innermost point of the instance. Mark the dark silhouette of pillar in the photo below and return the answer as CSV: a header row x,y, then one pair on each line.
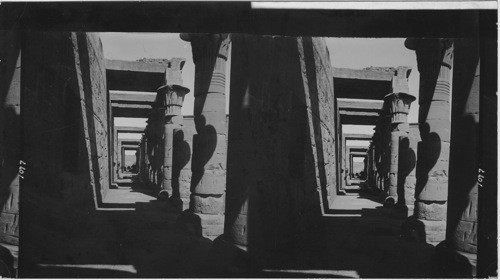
x,y
208,183
435,64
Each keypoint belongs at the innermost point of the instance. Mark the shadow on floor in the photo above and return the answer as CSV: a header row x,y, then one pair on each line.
x,y
368,241
145,241
78,242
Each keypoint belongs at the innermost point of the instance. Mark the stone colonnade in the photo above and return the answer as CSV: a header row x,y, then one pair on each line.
x,y
392,160
153,147
156,146
440,189
387,171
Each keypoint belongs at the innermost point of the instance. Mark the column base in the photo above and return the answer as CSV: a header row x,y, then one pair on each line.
x,y
163,195
175,204
390,201
453,263
233,258
431,232
395,211
208,226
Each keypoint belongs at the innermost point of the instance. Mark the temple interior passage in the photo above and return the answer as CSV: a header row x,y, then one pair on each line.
x,y
239,155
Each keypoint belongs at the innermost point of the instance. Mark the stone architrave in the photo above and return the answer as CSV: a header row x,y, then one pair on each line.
x,y
208,183
435,64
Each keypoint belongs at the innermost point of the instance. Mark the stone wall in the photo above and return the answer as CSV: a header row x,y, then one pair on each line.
x,y
10,148
320,100
281,148
65,146
95,107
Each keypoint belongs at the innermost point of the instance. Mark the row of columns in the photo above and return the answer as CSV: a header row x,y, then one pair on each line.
x,y
440,188
156,146
389,141
391,164
386,170
208,186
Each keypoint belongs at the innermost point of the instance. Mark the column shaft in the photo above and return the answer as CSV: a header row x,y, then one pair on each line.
x,y
392,189
462,223
167,160
435,62
208,184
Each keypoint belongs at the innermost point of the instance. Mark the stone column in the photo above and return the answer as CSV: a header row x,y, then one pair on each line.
x,y
462,217
116,156
154,130
368,165
383,128
208,183
376,156
373,168
123,161
399,106
351,162
145,174
141,159
147,133
409,152
344,164
338,152
435,62
370,182
488,160
170,99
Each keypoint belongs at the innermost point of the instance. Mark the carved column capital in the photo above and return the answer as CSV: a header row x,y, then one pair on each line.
x,y
431,51
207,45
170,98
210,52
399,106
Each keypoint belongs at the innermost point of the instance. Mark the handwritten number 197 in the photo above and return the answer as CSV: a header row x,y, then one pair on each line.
x,y
22,169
